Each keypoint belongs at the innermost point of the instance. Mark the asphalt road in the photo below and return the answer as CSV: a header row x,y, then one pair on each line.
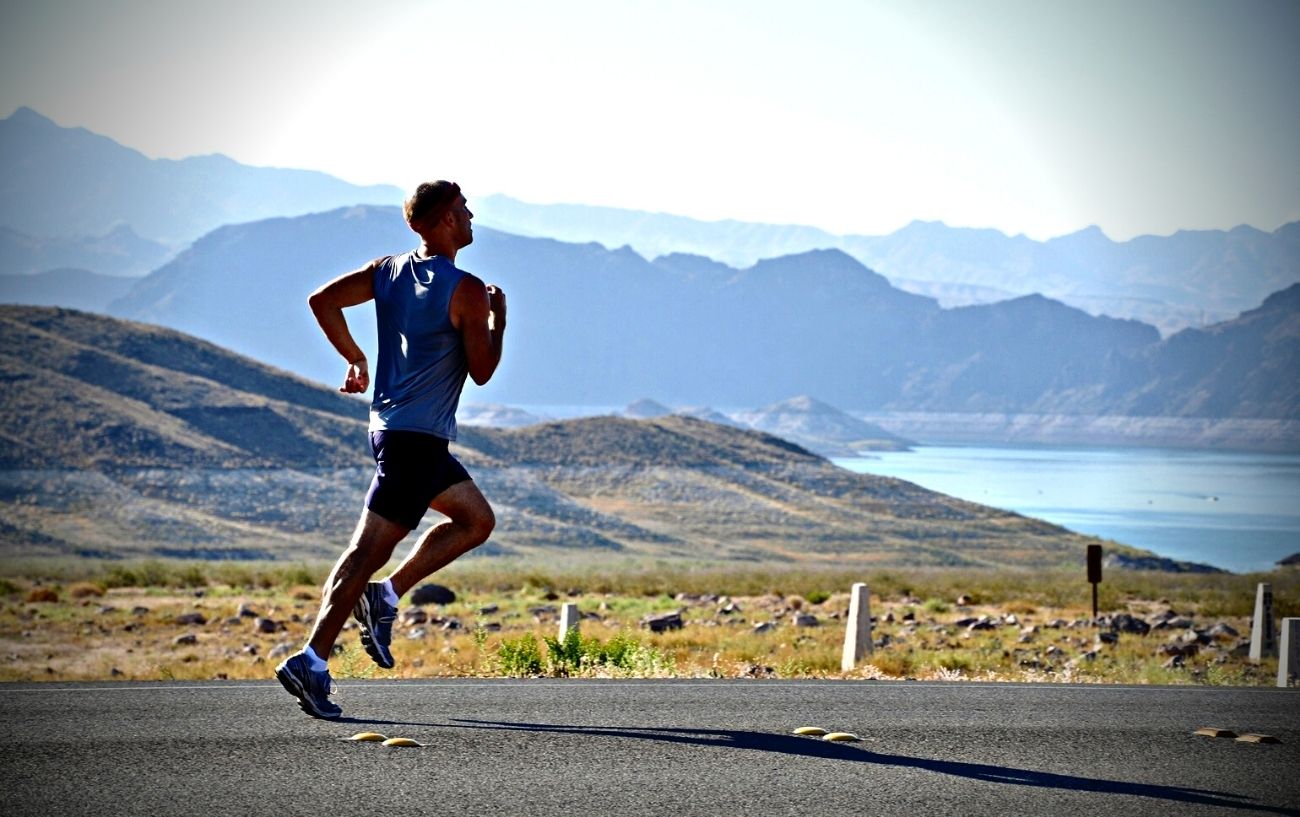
x,y
536,747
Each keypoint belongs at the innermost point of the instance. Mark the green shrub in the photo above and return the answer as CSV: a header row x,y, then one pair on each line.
x,y
933,605
817,596
520,656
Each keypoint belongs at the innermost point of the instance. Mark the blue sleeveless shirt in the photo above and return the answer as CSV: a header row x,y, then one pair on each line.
x,y
422,365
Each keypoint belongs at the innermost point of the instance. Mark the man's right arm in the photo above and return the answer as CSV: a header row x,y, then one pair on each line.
x,y
327,304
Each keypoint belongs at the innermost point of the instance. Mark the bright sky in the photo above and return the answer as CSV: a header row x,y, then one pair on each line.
x,y
1033,116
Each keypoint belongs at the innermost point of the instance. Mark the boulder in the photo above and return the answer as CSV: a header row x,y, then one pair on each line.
x,y
267,625
1125,623
432,594
189,619
663,622
188,638
762,627
806,620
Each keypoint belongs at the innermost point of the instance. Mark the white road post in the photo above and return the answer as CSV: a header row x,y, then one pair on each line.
x,y
857,636
1263,639
569,618
1288,664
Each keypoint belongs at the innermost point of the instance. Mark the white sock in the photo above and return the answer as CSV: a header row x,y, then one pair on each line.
x,y
316,663
390,595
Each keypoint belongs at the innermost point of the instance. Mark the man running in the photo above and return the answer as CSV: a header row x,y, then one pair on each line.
x,y
436,324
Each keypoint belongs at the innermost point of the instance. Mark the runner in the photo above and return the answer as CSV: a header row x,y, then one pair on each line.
x,y
436,325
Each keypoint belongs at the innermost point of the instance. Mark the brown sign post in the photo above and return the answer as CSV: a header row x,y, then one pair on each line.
x,y
1094,575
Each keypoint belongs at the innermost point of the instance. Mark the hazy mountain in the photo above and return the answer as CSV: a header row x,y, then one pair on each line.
x,y
73,288
57,181
118,438
821,428
598,327
118,252
1191,278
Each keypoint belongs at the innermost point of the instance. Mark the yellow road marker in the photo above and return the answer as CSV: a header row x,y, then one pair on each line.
x,y
1252,738
841,737
1211,732
401,742
815,731
367,736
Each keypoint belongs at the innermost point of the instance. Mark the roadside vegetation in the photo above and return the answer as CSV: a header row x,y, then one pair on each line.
x,y
151,620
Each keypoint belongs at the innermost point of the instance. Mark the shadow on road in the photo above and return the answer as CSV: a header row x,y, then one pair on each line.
x,y
809,747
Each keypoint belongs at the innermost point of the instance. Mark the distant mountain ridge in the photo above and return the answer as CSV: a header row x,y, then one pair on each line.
x,y
123,439
1188,279
69,182
599,327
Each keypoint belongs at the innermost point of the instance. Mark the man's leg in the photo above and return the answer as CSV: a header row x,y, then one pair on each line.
x,y
371,548
469,523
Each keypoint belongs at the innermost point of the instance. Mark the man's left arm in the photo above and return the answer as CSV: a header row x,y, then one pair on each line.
x,y
479,312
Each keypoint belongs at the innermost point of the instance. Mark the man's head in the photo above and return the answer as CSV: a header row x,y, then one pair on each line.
x,y
438,206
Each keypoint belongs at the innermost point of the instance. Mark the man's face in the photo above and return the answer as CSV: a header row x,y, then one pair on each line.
x,y
461,215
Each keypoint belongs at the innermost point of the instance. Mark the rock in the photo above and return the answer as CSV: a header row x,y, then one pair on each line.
x,y
280,650
1222,630
1108,638
488,609
188,638
1180,623
250,649
267,625
1175,661
965,622
433,594
492,627
245,611
982,623
191,619
889,617
729,608
411,616
106,609
451,624
139,611
806,620
1055,624
1125,623
116,673
965,600
417,633
1010,620
909,616
663,622
762,627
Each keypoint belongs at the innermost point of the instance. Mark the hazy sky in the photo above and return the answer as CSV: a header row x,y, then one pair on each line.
x,y
1038,117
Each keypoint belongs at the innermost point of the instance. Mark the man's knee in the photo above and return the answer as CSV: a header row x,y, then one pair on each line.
x,y
480,524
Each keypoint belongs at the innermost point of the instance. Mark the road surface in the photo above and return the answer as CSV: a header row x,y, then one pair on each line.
x,y
552,747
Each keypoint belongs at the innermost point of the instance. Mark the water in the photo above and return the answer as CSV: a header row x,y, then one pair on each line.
x,y
1238,511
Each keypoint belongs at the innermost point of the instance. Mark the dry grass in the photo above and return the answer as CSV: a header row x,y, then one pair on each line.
x,y
53,625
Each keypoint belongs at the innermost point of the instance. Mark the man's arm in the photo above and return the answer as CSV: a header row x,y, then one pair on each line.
x,y
479,312
327,304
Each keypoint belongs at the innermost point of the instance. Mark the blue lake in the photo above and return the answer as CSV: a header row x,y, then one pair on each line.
x,y
1238,511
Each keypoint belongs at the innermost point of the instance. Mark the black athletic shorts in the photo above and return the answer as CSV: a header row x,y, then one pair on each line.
x,y
411,469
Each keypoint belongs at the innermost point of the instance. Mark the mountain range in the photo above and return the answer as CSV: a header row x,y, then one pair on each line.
x,y
1191,278
123,439
600,327
69,183
70,198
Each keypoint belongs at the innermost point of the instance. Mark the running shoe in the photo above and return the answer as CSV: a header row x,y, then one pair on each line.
x,y
311,688
376,616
